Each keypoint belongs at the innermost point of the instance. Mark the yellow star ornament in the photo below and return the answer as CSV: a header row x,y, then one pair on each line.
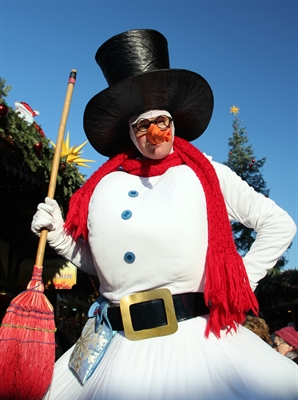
x,y
72,154
234,110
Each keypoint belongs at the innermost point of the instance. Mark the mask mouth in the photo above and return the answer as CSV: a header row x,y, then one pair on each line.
x,y
157,136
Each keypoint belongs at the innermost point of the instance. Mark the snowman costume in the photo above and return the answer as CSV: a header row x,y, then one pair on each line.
x,y
150,225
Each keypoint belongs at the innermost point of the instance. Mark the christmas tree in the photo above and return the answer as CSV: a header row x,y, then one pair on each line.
x,y
280,285
241,159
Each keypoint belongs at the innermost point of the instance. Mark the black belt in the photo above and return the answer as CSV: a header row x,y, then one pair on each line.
x,y
151,314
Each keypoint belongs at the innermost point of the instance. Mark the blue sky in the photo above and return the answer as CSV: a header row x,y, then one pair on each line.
x,y
246,50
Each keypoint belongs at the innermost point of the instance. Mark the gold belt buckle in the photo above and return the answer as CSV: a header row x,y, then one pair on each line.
x,y
140,297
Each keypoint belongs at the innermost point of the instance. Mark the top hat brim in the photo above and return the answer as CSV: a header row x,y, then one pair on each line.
x,y
186,95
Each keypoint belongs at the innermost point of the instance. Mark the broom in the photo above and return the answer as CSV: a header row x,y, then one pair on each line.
x,y
27,332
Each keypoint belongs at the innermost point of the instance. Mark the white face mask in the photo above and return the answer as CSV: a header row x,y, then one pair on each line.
x,y
147,114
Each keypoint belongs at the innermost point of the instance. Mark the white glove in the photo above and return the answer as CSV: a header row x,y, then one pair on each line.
x,y
49,216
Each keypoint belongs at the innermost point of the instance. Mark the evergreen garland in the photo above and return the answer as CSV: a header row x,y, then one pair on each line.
x,y
24,150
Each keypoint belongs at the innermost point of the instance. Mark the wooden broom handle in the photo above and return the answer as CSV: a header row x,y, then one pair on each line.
x,y
56,163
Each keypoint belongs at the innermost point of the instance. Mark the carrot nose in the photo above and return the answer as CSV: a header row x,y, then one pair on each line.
x,y
156,136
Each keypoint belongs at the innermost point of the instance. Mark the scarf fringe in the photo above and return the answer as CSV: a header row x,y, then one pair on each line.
x,y
228,293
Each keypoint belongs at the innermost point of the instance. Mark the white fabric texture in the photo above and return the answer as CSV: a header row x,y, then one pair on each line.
x,y
167,232
184,366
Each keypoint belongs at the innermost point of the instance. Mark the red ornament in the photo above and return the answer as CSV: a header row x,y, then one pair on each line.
x,y
250,165
62,167
38,149
39,130
253,160
3,110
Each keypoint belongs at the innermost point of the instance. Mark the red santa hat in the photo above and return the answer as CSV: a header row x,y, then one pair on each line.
x,y
34,113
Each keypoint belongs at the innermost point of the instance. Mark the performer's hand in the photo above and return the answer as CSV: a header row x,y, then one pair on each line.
x,y
48,215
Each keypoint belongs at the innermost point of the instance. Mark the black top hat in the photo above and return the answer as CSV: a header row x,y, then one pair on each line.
x,y
136,66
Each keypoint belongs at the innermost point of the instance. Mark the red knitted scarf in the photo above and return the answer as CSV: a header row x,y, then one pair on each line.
x,y
227,290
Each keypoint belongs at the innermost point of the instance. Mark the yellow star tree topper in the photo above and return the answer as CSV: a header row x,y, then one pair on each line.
x,y
73,154
234,110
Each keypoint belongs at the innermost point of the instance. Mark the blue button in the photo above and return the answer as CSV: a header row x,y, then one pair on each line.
x,y
133,193
129,257
126,214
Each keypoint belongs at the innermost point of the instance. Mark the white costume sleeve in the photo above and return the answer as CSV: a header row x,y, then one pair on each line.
x,y
274,227
78,252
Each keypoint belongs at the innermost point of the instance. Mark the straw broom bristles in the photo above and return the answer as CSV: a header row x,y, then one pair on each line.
x,y
27,327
